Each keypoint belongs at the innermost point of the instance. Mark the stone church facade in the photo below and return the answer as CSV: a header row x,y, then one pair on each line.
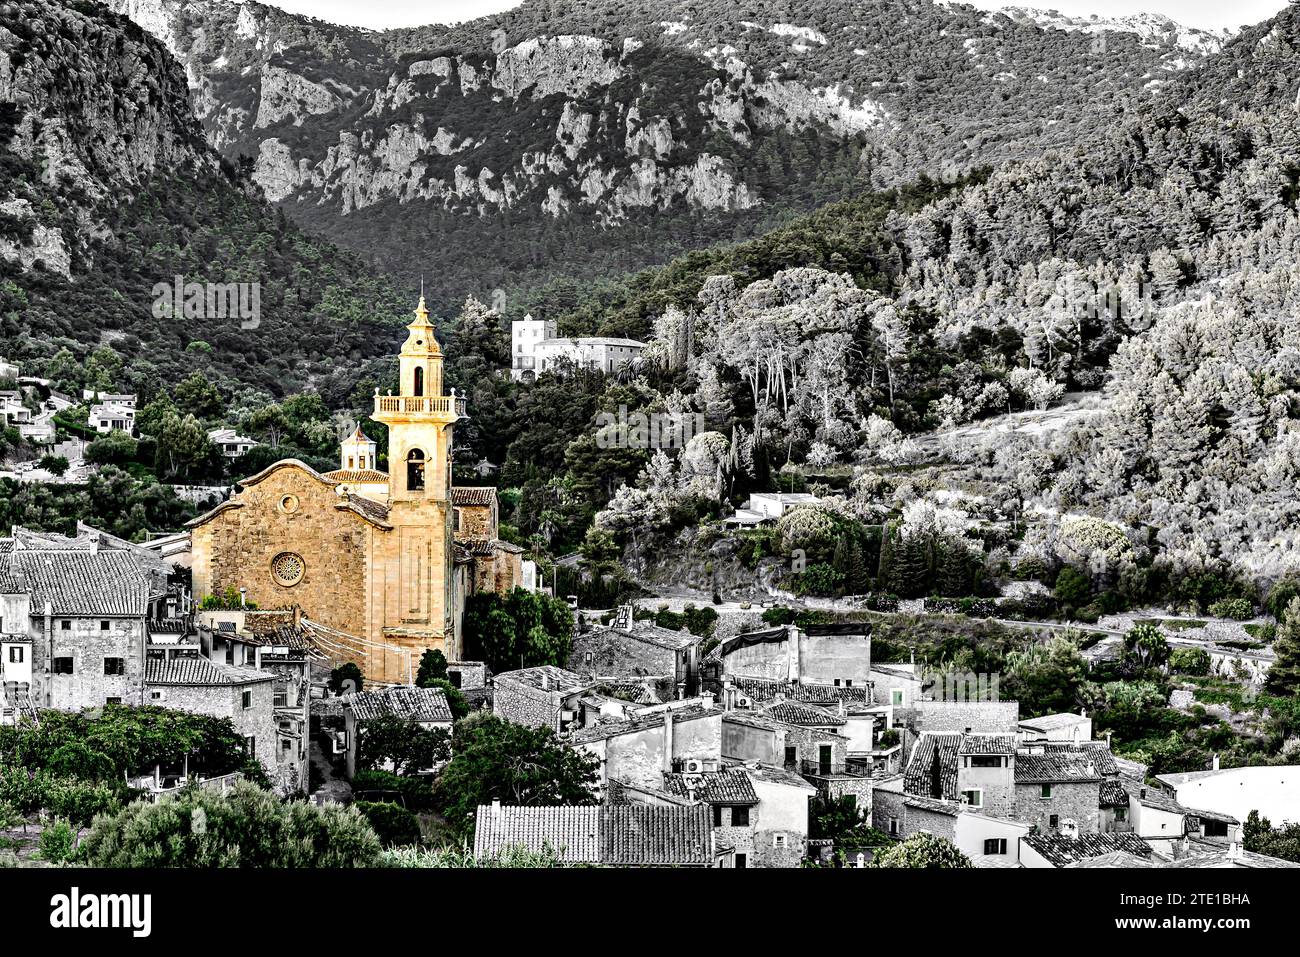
x,y
385,560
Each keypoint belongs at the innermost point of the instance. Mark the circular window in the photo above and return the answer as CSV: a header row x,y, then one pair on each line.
x,y
289,503
288,568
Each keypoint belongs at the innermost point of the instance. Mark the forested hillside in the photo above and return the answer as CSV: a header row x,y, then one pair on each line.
x,y
107,188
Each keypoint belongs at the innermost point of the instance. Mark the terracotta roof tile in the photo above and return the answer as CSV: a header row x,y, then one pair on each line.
x,y
417,704
713,787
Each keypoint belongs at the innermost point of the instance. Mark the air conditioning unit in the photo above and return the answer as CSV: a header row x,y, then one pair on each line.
x,y
693,766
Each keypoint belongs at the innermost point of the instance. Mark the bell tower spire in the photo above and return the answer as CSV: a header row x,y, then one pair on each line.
x,y
419,418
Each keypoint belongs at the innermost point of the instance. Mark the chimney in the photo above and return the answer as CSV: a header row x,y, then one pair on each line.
x,y
546,681
1215,764
496,807
1234,851
668,740
792,638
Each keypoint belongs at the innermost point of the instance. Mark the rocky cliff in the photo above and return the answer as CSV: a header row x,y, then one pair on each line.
x,y
684,122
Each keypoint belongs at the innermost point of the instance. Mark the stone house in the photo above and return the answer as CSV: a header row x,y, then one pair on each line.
x,y
640,749
245,696
833,654
781,827
639,650
1059,790
790,736
733,807
988,840
426,707
975,770
544,696
75,624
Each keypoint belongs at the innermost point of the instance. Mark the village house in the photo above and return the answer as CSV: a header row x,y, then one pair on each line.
x,y
989,840
1057,727
1273,790
611,835
535,348
540,697
243,695
834,654
638,750
768,507
426,707
111,412
230,443
639,649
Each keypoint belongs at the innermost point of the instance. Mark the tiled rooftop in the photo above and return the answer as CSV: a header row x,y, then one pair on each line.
x,y
641,835
200,672
731,786
416,704
1063,851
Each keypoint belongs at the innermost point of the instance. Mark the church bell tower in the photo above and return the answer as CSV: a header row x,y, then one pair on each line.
x,y
413,596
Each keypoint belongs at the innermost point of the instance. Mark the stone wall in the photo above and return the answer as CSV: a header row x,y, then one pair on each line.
x,y
523,704
88,644
958,716
226,701
1075,801
614,654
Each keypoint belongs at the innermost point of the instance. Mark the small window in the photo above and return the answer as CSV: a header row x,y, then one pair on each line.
x,y
778,840
61,666
247,700
1045,791
893,827
16,654
995,845
65,625
791,756
742,862
1053,821
103,625
740,817
250,746
848,682
973,797
155,694
1121,814
114,666
112,701
985,761
896,697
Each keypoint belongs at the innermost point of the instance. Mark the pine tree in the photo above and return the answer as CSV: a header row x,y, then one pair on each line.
x,y
1284,675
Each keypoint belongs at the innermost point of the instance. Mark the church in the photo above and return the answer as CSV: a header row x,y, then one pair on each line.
x,y
382,561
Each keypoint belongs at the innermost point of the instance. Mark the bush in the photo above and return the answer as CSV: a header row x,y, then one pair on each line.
x,y
820,580
248,827
1073,587
1237,609
393,824
377,785
58,842
1190,661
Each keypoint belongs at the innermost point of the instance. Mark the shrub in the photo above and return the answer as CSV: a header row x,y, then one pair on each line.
x,y
1073,587
393,824
1237,609
58,842
1190,661
248,827
819,579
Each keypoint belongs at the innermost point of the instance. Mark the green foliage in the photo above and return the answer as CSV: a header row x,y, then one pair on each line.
x,y
346,675
1046,677
497,760
229,600
1190,661
433,667
842,821
1236,608
449,857
1259,835
1284,674
1280,595
376,785
248,827
819,579
58,842
393,824
922,850
1145,648
457,703
1073,587
521,629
